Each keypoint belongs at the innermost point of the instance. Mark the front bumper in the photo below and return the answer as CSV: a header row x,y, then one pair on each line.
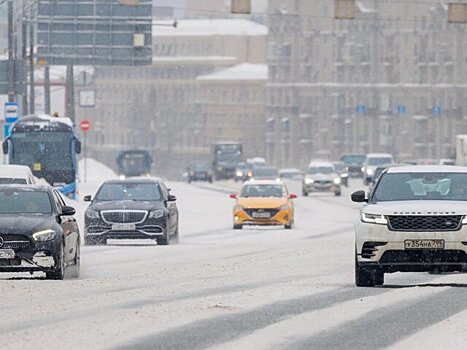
x,y
41,256
380,247
149,229
282,217
316,187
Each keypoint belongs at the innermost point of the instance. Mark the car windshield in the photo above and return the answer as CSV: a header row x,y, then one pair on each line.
x,y
340,167
267,172
249,191
199,166
129,191
421,186
320,170
353,159
12,180
379,161
14,201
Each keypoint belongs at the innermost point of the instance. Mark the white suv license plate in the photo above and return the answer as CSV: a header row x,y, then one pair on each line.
x,y
123,227
7,254
424,244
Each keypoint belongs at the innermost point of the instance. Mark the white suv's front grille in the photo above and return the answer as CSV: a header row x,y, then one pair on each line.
x,y
425,223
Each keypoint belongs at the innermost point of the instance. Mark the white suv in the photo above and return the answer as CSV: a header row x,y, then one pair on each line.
x,y
415,219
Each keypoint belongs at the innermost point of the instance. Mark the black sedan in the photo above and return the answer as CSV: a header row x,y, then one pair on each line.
x,y
38,232
199,171
135,208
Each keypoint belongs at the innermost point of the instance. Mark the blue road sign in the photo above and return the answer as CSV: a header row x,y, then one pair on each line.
x,y
360,108
436,110
401,109
11,112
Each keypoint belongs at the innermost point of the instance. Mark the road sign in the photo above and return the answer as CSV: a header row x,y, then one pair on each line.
x,y
85,125
11,112
360,109
436,110
94,32
401,109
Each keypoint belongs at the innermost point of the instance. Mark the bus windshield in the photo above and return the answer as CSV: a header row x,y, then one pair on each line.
x,y
50,151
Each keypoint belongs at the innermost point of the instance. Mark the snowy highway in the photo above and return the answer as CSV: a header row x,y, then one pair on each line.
x,y
256,288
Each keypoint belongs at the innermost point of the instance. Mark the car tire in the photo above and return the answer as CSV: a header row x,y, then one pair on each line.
x,y
305,193
237,227
58,274
175,238
367,277
75,268
165,240
289,226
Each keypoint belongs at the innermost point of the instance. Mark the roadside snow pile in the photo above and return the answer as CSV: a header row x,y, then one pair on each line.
x,y
95,170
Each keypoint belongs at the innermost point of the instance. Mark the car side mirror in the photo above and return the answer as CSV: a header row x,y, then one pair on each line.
x,y
359,197
87,198
171,198
66,210
292,196
5,147
233,196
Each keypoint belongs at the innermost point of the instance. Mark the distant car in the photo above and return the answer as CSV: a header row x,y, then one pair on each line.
x,y
343,172
354,163
371,163
263,202
265,173
242,172
199,171
447,161
321,177
38,232
16,174
292,174
135,208
378,171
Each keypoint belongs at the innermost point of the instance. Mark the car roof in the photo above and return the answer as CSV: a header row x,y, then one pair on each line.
x,y
135,179
320,164
263,182
37,188
290,170
427,169
379,155
14,170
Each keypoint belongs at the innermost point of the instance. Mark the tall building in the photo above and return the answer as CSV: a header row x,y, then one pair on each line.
x,y
392,80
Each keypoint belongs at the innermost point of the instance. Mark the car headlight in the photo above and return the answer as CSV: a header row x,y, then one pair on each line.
x,y
92,214
122,177
337,180
308,181
239,173
369,171
44,236
344,175
374,219
155,214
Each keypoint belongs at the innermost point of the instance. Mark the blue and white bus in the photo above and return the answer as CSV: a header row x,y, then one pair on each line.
x,y
49,146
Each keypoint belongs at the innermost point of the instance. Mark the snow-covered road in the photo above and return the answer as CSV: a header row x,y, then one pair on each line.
x,y
265,288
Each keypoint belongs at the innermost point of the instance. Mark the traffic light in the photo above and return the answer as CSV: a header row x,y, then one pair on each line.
x,y
240,7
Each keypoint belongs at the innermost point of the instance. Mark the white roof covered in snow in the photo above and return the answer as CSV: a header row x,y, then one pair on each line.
x,y
244,71
205,27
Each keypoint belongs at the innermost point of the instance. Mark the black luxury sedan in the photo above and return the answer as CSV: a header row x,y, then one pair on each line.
x,y
134,208
38,232
199,171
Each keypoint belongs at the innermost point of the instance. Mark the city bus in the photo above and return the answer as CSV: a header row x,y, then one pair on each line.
x,y
134,162
49,146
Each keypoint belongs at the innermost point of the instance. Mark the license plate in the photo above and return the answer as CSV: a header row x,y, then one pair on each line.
x,y
261,215
424,244
123,227
7,253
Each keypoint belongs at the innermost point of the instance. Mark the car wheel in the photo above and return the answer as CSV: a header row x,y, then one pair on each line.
x,y
367,277
305,193
74,269
175,238
59,273
237,227
289,226
165,240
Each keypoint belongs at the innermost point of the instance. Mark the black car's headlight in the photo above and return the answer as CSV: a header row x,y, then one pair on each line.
x,y
44,236
92,214
155,214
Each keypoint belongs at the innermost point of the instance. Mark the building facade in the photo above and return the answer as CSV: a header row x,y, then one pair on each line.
x,y
392,80
158,107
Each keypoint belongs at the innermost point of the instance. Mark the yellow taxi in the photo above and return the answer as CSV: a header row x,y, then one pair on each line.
x,y
263,202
